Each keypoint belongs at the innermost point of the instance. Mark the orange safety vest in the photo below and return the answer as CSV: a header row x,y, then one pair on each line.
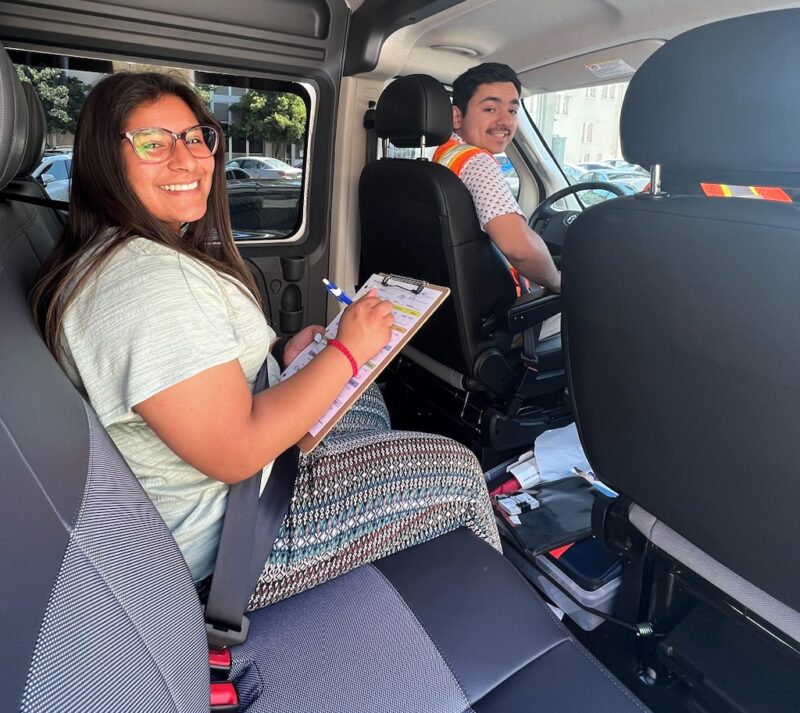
x,y
454,154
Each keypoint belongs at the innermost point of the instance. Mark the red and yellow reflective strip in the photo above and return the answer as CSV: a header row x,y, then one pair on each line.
x,y
767,193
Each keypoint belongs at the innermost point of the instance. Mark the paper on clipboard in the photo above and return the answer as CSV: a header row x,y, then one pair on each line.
x,y
413,302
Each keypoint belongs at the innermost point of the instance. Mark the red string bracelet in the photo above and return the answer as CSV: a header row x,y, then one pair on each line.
x,y
344,350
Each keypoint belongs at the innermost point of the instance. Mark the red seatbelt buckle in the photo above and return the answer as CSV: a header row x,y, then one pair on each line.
x,y
223,697
219,663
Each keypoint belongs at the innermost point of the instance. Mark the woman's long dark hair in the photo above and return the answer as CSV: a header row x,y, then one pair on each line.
x,y
104,211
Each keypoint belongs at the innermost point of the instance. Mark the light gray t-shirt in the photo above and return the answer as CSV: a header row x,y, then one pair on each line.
x,y
150,318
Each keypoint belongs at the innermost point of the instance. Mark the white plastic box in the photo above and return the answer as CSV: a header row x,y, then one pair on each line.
x,y
601,599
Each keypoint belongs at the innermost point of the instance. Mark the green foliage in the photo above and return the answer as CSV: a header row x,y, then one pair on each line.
x,y
277,117
62,96
205,91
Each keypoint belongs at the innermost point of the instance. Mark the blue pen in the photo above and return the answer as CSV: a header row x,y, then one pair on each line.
x,y
337,292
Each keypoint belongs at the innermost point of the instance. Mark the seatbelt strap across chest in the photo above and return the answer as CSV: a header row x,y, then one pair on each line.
x,y
249,530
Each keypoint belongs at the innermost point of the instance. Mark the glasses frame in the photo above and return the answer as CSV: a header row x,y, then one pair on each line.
x,y
175,137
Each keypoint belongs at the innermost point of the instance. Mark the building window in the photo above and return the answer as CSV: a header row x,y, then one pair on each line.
x,y
609,91
587,132
562,104
586,158
591,91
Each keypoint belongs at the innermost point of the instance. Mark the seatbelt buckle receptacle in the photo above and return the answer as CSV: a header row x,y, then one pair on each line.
x,y
219,636
223,697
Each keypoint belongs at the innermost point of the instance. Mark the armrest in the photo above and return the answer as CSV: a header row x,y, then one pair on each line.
x,y
527,311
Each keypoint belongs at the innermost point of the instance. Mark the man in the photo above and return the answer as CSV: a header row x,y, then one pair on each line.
x,y
486,100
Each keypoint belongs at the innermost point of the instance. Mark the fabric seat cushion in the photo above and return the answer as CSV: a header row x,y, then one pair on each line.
x,y
448,625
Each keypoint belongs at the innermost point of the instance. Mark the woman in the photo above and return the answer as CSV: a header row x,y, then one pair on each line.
x,y
148,305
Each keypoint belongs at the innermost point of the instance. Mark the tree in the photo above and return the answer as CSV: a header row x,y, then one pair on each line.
x,y
276,117
61,95
205,92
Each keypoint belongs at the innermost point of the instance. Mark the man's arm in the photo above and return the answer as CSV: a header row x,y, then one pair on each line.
x,y
524,249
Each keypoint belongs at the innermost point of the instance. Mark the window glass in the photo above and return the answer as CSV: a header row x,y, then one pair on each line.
x,y
264,122
581,126
58,170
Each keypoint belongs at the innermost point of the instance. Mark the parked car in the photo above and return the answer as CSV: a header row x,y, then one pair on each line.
x,y
595,166
633,179
622,165
573,173
54,174
266,168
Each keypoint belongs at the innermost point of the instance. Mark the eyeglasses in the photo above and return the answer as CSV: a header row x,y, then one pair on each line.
x,y
155,145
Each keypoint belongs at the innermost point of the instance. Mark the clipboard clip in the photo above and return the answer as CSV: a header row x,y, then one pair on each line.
x,y
406,283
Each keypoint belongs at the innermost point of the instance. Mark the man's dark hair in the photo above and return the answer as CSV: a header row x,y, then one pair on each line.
x,y
487,73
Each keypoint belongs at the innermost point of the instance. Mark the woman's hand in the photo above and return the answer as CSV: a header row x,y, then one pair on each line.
x,y
366,326
299,342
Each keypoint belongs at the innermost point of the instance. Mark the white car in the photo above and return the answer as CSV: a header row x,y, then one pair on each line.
x,y
54,174
267,168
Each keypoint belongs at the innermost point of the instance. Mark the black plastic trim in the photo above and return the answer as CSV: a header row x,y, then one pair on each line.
x,y
375,20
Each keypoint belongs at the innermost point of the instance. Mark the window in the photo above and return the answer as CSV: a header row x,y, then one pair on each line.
x,y
562,104
58,170
590,134
265,207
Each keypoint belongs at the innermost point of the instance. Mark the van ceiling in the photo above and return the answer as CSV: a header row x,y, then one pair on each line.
x,y
533,36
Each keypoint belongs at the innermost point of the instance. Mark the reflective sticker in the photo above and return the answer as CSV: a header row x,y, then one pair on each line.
x,y
767,193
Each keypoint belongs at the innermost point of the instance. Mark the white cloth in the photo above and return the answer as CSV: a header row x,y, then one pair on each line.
x,y
558,451
147,320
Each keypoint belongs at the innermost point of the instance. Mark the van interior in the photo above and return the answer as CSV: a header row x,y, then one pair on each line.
x,y
657,154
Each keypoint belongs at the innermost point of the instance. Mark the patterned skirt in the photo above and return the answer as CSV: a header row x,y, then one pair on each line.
x,y
365,492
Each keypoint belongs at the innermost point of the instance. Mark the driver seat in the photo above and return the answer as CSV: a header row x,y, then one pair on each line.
x,y
418,220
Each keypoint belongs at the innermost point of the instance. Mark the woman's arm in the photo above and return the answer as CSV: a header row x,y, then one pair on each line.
x,y
215,424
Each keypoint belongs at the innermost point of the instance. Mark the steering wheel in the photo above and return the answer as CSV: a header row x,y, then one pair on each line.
x,y
552,224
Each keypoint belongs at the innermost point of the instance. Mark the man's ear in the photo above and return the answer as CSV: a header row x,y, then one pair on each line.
x,y
456,118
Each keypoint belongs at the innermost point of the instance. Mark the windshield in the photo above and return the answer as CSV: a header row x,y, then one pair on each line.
x,y
581,127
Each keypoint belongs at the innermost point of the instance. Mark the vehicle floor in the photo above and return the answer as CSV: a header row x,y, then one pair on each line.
x,y
615,647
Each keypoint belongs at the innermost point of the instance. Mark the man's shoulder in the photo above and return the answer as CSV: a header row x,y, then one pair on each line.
x,y
455,154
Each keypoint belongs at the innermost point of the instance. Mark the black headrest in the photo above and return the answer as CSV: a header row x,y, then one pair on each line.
x,y
13,121
36,132
412,107
720,103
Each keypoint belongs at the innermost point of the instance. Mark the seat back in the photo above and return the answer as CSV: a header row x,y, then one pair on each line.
x,y
98,607
418,219
683,311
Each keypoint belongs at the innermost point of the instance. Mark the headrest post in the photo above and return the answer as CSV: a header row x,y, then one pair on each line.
x,y
655,180
422,156
385,143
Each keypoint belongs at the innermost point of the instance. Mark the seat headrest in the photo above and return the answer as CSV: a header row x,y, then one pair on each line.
x,y
720,103
412,107
13,121
36,132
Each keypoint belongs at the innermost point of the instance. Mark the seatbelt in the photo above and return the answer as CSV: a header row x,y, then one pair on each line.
x,y
34,200
249,530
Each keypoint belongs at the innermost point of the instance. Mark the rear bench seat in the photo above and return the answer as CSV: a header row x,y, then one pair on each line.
x,y
98,608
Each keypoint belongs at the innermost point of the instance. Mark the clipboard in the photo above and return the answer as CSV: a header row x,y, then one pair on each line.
x,y
414,302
